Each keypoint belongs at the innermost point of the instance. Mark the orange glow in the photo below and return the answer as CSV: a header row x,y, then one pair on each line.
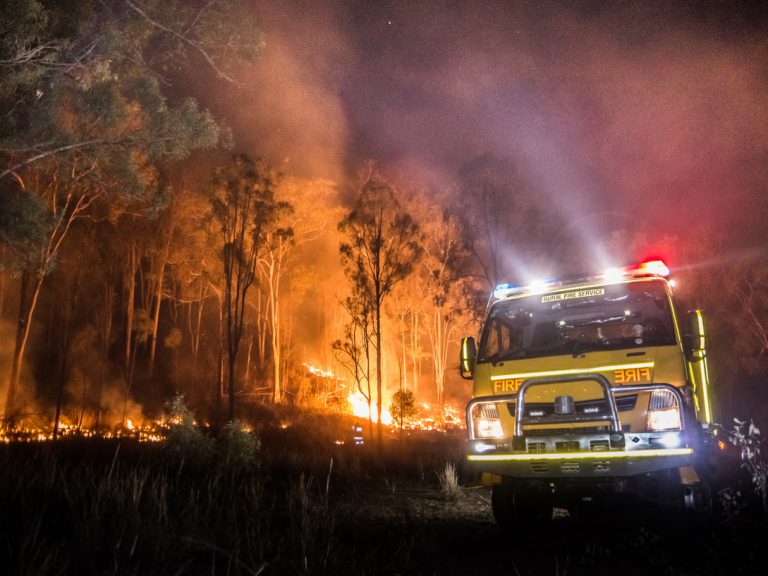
x,y
360,409
148,431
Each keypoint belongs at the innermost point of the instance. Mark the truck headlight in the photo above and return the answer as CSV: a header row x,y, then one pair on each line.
x,y
663,411
485,421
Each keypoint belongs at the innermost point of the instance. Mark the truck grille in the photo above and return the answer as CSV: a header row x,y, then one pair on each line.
x,y
596,407
561,431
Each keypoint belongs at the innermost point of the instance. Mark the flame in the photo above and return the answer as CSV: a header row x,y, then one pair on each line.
x,y
323,373
148,431
360,409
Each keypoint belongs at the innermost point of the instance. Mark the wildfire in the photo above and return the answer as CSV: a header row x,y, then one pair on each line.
x,y
323,373
359,406
149,431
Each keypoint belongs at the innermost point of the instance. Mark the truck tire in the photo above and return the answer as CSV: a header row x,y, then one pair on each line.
x,y
698,504
521,504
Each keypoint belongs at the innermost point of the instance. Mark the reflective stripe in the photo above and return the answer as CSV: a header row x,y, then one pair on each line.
x,y
581,455
573,371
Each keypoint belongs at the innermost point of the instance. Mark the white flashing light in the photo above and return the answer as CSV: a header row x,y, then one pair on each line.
x,y
538,286
668,419
671,441
613,275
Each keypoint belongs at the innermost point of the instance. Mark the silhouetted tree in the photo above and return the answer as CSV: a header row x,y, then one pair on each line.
x,y
381,249
244,201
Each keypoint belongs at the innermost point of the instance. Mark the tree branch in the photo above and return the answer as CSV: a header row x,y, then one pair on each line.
x,y
185,39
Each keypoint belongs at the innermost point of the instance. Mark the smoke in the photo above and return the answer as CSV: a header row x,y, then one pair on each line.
x,y
289,108
637,116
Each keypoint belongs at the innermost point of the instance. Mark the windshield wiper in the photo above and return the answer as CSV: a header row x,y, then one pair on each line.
x,y
505,355
580,348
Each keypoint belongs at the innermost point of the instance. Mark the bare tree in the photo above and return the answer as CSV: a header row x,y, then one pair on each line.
x,y
353,351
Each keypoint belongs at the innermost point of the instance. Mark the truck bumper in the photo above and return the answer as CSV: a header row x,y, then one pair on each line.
x,y
611,464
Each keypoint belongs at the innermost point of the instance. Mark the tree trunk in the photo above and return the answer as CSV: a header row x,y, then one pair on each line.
x,y
158,301
65,353
274,313
220,371
2,295
379,428
26,311
129,308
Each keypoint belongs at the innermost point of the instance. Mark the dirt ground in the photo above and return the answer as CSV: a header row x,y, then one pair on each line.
x,y
391,517
412,530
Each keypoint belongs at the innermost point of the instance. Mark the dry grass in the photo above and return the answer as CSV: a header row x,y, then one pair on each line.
x,y
449,482
297,504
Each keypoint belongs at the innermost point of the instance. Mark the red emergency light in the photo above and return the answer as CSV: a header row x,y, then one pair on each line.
x,y
647,268
653,267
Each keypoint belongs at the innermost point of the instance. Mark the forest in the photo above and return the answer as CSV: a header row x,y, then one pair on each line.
x,y
145,253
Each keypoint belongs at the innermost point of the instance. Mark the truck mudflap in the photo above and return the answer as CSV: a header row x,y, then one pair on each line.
x,y
581,452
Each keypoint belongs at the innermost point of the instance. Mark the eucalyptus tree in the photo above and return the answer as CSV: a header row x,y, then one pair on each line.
x,y
381,249
278,243
243,194
84,115
444,281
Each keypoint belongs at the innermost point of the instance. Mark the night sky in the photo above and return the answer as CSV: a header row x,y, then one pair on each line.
x,y
648,117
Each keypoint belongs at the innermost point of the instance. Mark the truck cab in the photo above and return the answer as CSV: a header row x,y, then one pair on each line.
x,y
584,387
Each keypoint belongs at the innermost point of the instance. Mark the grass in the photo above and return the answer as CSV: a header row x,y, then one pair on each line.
x,y
292,501
449,482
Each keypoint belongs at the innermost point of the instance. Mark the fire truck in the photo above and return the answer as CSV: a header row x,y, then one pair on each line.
x,y
585,388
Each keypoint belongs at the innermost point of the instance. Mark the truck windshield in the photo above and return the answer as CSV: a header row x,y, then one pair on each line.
x,y
577,321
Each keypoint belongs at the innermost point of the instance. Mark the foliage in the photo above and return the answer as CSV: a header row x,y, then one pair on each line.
x,y
239,448
746,436
185,443
25,224
403,406
85,78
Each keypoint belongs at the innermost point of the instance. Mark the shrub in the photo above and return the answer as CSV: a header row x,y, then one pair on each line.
x,y
239,448
186,443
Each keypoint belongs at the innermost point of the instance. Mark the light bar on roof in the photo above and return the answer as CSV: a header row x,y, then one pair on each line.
x,y
506,290
654,267
647,268
611,275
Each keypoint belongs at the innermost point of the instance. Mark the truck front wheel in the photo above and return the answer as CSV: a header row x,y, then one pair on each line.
x,y
521,504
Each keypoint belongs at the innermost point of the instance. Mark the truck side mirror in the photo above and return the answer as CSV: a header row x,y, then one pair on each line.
x,y
468,355
695,335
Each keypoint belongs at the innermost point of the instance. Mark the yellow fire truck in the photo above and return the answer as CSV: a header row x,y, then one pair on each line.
x,y
586,387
